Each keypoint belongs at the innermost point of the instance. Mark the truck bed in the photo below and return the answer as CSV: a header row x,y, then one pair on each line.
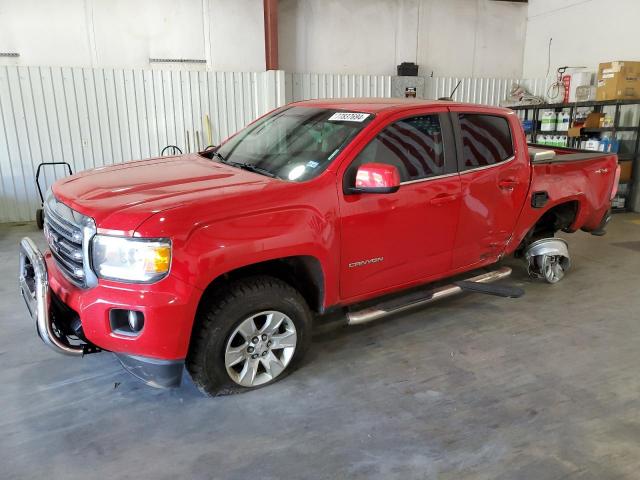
x,y
569,175
543,154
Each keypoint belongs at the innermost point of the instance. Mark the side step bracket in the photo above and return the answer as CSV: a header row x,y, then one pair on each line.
x,y
505,291
418,299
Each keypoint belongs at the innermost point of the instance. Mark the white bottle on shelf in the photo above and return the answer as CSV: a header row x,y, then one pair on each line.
x,y
592,144
563,122
548,121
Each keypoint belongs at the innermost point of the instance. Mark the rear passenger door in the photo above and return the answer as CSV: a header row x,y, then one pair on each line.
x,y
494,178
389,240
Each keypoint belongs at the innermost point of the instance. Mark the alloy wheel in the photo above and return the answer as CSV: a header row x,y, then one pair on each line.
x,y
260,348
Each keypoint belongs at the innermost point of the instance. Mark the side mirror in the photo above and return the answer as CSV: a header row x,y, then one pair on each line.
x,y
376,178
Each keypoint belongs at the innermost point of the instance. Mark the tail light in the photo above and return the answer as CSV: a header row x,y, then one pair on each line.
x,y
616,182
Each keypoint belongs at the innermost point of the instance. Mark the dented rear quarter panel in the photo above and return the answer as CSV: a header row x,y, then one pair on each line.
x,y
579,181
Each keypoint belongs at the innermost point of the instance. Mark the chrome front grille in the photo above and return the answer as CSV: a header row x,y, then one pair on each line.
x,y
68,234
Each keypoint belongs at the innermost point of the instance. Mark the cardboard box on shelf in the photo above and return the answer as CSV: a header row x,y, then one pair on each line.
x,y
626,167
575,131
593,120
618,81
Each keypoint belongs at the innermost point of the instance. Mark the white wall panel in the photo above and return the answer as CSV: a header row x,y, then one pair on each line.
x,y
584,33
305,86
236,34
225,34
52,33
487,91
127,33
452,37
94,117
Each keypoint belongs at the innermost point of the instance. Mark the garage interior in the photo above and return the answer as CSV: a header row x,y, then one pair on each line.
x,y
470,387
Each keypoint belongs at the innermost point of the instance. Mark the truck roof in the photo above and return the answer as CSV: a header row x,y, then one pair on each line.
x,y
374,105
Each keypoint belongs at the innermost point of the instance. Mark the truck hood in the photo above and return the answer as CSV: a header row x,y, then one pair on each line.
x,y
121,197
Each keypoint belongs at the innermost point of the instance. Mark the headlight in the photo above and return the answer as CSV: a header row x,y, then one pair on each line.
x,y
131,259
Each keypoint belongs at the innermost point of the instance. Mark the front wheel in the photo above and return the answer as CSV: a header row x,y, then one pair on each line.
x,y
251,334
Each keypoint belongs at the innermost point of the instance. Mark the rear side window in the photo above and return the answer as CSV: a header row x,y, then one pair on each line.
x,y
413,145
486,140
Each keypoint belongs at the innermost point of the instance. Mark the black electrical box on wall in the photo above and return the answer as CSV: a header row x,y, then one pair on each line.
x,y
407,69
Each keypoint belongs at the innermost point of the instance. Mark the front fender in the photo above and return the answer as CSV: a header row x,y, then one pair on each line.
x,y
212,249
238,242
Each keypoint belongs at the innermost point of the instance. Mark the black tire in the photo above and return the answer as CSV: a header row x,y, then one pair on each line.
x,y
220,316
40,218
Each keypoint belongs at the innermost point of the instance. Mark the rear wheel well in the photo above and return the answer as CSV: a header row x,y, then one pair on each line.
x,y
559,217
304,273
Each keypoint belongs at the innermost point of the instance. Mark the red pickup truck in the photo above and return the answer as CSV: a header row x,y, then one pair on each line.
x,y
222,260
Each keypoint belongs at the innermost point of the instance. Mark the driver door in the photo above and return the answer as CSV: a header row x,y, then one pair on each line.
x,y
396,239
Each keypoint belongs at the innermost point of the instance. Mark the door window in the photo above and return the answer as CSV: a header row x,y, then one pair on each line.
x,y
486,140
413,145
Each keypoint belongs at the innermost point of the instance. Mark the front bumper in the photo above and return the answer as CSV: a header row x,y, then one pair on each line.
x,y
156,355
34,287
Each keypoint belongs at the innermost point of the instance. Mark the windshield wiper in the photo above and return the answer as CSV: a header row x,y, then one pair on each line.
x,y
244,166
252,168
219,156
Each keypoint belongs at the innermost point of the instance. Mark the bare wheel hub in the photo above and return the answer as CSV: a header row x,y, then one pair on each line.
x,y
260,348
551,268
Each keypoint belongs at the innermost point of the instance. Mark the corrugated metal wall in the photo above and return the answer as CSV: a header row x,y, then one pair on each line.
x,y
305,86
94,117
488,91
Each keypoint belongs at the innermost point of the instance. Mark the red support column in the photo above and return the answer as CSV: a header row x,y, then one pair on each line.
x,y
271,34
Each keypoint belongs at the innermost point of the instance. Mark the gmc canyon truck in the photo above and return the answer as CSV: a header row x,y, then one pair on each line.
x,y
222,260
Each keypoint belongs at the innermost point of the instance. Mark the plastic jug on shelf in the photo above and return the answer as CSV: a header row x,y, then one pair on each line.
x,y
562,122
548,121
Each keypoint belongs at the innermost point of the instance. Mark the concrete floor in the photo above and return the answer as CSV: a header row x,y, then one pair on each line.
x,y
475,387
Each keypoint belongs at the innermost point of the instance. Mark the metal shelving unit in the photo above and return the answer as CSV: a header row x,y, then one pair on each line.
x,y
628,153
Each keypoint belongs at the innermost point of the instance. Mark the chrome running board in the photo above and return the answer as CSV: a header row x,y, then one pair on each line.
x,y
418,299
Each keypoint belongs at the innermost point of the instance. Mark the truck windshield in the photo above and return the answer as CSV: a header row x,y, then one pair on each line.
x,y
295,143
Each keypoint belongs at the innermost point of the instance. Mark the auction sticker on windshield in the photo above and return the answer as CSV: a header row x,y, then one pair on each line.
x,y
349,117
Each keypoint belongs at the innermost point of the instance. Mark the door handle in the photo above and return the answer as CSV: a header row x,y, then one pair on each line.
x,y
442,199
508,184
